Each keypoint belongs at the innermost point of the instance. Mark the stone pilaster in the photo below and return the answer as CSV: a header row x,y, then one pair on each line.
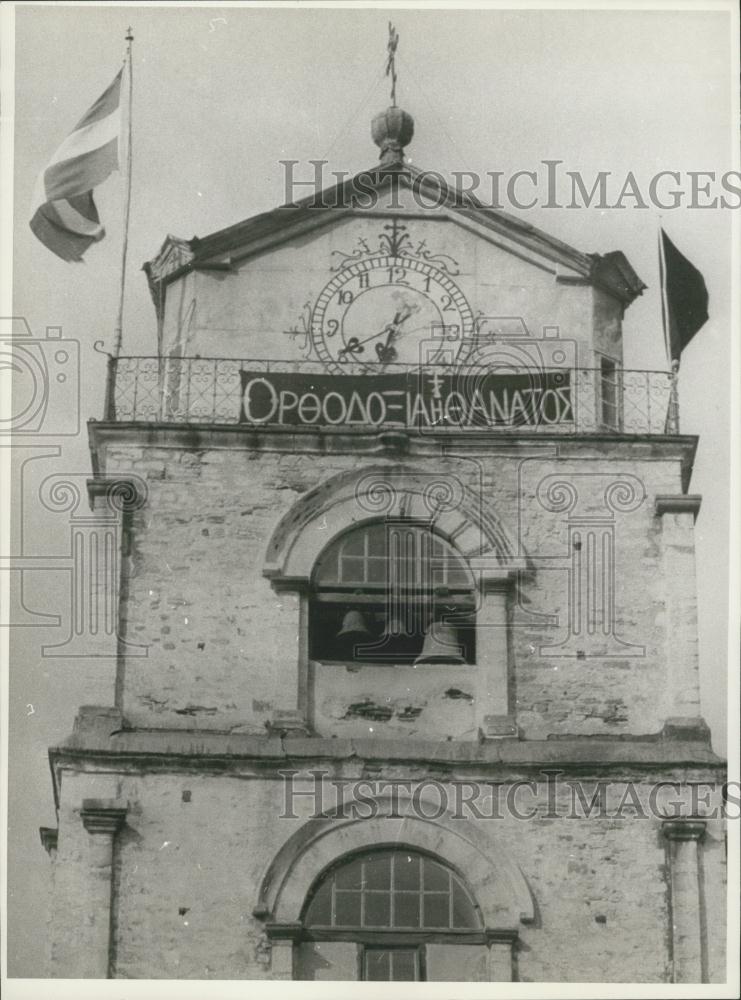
x,y
677,515
500,959
282,938
94,563
102,818
493,655
49,840
292,646
683,843
49,837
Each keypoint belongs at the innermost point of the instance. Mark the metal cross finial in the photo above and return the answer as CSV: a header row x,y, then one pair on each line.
x,y
391,60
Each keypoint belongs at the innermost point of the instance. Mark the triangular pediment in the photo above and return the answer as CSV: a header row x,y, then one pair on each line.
x,y
383,191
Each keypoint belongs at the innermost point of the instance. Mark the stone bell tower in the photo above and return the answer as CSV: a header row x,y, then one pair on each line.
x,y
407,654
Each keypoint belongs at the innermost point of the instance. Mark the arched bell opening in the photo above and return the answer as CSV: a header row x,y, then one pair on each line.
x,y
389,643
392,591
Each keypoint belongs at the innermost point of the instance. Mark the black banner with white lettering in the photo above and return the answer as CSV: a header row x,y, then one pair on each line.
x,y
416,400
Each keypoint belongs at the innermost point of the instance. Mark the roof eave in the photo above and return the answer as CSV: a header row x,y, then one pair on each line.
x,y
612,272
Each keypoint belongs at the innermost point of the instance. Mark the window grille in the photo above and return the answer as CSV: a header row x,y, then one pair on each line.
x,y
392,890
378,590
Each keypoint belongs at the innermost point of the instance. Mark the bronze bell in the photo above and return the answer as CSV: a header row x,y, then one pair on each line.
x,y
440,645
353,624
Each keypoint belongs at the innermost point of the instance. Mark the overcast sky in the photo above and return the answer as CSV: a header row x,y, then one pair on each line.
x,y
221,95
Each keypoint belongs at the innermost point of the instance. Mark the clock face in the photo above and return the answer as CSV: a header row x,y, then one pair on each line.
x,y
390,310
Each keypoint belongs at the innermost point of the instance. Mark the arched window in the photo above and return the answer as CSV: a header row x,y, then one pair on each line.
x,y
392,591
391,902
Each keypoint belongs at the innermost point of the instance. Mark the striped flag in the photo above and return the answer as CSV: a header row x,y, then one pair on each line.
x,y
64,216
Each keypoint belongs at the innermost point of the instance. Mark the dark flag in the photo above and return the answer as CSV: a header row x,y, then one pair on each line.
x,y
684,297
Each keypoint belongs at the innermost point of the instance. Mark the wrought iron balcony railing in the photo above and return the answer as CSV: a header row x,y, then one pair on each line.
x,y
434,398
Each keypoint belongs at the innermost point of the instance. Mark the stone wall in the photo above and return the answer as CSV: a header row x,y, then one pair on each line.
x,y
242,312
189,862
222,644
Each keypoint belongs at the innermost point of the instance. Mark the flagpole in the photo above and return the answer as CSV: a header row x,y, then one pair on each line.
x,y
672,414
664,303
118,334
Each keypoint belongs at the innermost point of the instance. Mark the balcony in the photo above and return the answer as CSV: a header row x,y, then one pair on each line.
x,y
433,399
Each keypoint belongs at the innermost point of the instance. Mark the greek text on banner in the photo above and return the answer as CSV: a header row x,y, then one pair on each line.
x,y
418,399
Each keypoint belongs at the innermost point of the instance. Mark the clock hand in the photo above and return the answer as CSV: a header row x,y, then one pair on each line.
x,y
398,321
391,329
416,329
355,346
384,351
387,352
388,330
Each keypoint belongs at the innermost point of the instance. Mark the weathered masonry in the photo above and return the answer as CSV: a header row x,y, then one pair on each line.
x,y
405,582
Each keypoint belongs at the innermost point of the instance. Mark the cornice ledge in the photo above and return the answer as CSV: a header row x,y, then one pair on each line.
x,y
103,815
684,828
231,749
201,434
679,503
122,492
283,932
49,836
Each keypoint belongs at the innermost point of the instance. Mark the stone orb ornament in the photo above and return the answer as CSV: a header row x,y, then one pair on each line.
x,y
392,130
